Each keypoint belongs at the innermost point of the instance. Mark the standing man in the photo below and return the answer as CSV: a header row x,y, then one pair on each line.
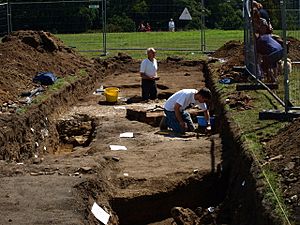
x,y
171,25
176,117
148,71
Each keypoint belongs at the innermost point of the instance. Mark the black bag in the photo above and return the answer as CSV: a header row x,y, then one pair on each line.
x,y
45,78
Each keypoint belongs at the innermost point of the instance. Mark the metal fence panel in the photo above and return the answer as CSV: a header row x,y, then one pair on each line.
x,y
292,21
286,17
249,44
52,16
3,19
158,34
43,16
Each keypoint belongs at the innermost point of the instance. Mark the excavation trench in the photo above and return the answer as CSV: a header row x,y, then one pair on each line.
x,y
137,186
229,185
194,192
133,203
158,171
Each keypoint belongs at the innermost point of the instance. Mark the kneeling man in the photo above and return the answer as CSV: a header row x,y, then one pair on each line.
x,y
176,116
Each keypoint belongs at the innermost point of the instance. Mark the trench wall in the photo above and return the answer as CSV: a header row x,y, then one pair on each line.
x,y
243,202
24,134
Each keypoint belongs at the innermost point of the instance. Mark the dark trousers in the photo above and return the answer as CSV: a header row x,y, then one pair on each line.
x,y
149,90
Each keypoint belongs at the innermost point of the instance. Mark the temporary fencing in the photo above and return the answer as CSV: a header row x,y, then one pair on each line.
x,y
4,26
67,17
291,20
286,18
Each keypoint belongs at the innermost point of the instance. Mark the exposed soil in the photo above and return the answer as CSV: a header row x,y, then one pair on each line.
x,y
25,53
159,171
45,183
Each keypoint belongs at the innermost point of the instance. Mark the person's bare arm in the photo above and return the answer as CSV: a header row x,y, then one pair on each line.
x,y
178,115
207,117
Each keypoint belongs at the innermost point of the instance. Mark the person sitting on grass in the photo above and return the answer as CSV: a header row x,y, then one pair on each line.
x,y
176,117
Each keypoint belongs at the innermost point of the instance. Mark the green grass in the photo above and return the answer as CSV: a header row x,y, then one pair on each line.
x,y
254,133
59,85
135,43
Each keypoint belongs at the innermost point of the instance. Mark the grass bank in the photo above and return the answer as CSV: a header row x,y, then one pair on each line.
x,y
254,134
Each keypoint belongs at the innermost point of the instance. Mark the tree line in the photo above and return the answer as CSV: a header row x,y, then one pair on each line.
x,y
126,15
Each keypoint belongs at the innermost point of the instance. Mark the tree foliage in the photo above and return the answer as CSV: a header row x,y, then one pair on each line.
x,y
126,15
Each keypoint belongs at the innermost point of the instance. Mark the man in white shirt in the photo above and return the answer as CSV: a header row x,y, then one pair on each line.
x,y
148,71
171,25
177,118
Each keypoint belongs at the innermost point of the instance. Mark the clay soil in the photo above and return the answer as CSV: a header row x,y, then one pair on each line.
x,y
60,186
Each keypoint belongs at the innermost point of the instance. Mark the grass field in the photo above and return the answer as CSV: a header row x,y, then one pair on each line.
x,y
184,43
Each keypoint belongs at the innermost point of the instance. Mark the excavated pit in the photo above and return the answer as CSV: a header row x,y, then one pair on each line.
x,y
144,184
231,187
212,189
199,189
194,192
76,131
141,197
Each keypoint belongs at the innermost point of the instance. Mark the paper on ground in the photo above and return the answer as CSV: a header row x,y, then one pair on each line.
x,y
117,147
119,107
126,135
100,214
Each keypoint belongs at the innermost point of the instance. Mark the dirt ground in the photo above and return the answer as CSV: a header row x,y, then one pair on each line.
x,y
49,187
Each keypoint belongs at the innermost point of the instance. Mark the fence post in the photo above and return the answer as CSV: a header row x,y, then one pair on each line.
x,y
9,23
286,75
202,27
104,27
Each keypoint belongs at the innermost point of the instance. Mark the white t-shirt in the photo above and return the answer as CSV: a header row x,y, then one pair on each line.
x,y
171,25
149,68
184,98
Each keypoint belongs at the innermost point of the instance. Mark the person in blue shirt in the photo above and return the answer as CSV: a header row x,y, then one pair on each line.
x,y
271,52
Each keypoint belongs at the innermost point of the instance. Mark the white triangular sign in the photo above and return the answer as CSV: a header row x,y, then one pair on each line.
x,y
185,15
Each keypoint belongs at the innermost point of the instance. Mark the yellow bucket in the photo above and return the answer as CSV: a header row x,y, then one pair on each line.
x,y
111,94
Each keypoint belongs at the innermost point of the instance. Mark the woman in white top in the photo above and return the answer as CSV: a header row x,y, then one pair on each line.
x,y
148,71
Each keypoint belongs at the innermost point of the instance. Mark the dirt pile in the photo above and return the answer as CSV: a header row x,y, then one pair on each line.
x,y
232,52
25,53
232,55
293,51
283,157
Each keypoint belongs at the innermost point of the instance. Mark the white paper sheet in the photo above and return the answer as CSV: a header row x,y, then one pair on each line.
x,y
126,135
117,147
100,214
119,107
